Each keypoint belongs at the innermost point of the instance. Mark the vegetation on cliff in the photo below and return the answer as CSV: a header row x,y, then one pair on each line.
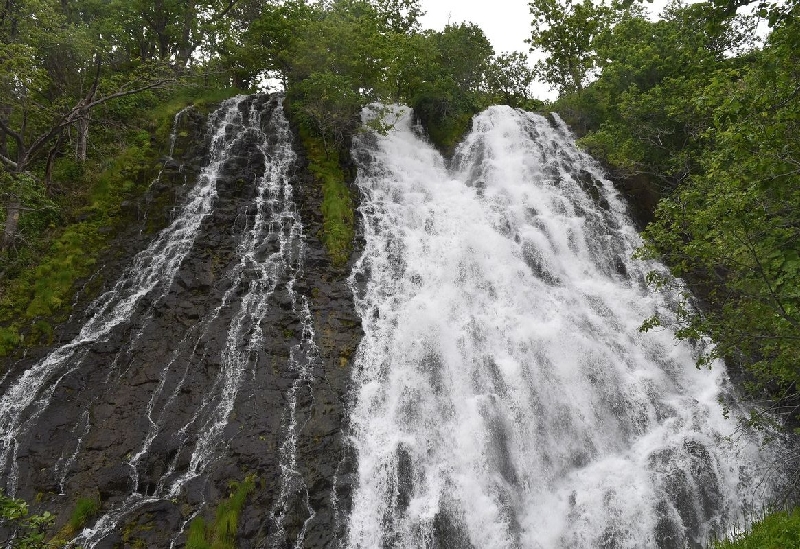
x,y
692,106
21,529
221,533
776,531
693,110
688,105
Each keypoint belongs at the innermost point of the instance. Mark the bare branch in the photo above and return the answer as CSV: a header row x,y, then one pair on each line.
x,y
125,93
77,111
8,162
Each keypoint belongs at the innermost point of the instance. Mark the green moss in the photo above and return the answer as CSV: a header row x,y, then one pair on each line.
x,y
84,511
337,203
63,241
9,338
779,530
132,532
222,533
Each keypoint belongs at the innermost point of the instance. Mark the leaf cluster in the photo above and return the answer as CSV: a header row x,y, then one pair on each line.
x,y
336,57
21,529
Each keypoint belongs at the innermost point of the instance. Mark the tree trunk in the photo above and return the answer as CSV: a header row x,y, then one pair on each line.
x,y
51,158
13,207
82,127
5,112
3,143
186,47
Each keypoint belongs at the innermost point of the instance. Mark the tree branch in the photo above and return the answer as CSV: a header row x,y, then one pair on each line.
x,y
224,12
16,135
125,93
76,111
8,162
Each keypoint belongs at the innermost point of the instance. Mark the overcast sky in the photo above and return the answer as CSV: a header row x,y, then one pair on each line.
x,y
507,23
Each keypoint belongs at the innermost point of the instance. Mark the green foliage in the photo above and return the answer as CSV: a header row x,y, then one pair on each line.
x,y
687,104
337,203
22,530
327,104
339,56
508,79
566,33
85,510
222,533
38,288
732,229
451,90
640,119
779,530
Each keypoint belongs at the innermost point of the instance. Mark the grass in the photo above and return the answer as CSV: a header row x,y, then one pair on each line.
x,y
779,530
85,510
221,534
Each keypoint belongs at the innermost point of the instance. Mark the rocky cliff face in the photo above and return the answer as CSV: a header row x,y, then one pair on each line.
x,y
237,368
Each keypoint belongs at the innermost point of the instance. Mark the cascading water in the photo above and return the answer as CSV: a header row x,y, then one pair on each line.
x,y
152,271
189,379
503,394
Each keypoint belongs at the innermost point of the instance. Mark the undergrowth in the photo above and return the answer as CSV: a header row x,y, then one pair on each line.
x,y
337,202
81,211
221,534
780,530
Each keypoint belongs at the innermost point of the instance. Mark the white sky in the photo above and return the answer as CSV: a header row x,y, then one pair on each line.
x,y
507,23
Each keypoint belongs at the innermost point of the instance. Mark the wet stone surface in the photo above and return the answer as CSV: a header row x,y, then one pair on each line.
x,y
129,411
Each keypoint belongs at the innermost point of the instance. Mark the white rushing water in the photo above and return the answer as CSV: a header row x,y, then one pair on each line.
x,y
269,254
504,396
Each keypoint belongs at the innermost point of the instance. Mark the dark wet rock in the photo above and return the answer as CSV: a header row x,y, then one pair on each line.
x,y
155,373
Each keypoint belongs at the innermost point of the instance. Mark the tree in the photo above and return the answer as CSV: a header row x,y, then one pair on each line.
x,y
649,69
566,34
52,75
733,228
454,87
509,79
334,57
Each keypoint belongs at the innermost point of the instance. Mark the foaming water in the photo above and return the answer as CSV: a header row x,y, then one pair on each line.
x,y
504,395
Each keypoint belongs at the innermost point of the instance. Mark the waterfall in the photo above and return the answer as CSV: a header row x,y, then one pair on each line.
x,y
503,395
152,272
188,378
